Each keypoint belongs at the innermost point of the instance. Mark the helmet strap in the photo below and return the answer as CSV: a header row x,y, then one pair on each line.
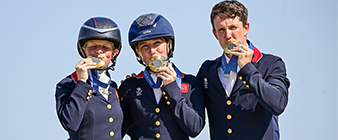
x,y
169,50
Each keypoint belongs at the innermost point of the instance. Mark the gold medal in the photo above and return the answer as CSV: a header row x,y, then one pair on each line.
x,y
157,62
231,44
99,62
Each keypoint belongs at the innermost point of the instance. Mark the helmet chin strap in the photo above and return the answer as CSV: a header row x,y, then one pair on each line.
x,y
168,50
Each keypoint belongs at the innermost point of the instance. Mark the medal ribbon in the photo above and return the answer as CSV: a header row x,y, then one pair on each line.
x,y
94,80
151,81
232,65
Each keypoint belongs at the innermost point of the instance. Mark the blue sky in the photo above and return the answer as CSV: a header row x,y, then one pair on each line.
x,y
38,43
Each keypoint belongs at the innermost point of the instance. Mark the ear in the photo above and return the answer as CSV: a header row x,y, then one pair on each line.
x,y
246,28
115,52
214,32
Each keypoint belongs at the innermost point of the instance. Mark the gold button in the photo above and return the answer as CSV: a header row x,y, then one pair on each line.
x,y
109,106
89,94
244,82
229,116
168,103
247,86
157,110
157,135
90,91
163,93
88,97
111,133
111,119
228,102
229,131
166,97
240,77
157,123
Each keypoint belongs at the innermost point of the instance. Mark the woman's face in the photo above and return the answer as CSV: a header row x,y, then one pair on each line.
x,y
149,48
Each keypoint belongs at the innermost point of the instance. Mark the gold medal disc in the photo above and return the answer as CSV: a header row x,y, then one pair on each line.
x,y
231,44
157,62
99,62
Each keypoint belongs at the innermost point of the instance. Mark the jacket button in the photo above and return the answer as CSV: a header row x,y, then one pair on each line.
x,y
111,133
163,93
168,103
111,119
228,102
229,116
158,135
244,82
247,86
157,110
109,106
229,131
157,123
88,97
240,77
165,97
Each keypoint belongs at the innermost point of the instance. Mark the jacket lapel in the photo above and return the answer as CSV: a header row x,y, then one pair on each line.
x,y
215,79
147,90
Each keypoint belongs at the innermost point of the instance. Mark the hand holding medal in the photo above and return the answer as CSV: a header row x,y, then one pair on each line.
x,y
167,74
243,52
82,68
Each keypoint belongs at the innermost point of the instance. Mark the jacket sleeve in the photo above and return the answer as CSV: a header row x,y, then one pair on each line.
x,y
189,113
71,102
271,89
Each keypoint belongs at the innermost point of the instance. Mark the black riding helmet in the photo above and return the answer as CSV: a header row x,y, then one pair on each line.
x,y
150,26
103,29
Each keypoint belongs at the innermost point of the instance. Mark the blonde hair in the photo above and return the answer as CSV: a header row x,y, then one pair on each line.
x,y
85,45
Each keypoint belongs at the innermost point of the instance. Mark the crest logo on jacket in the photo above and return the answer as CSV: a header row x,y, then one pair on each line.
x,y
138,91
205,83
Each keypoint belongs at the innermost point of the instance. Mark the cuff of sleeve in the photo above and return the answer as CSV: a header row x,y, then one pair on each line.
x,y
172,93
246,71
82,90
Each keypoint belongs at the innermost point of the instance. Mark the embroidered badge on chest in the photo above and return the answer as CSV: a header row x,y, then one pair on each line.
x,y
205,83
184,88
138,91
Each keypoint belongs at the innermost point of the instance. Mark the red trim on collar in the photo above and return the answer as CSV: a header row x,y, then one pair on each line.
x,y
74,77
140,75
258,55
219,58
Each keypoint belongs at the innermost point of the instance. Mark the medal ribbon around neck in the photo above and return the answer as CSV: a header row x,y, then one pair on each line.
x,y
232,65
95,82
158,83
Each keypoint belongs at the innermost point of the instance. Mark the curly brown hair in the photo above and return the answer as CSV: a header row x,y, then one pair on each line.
x,y
229,9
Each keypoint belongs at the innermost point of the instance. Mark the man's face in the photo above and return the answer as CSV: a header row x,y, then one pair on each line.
x,y
230,29
100,48
149,48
